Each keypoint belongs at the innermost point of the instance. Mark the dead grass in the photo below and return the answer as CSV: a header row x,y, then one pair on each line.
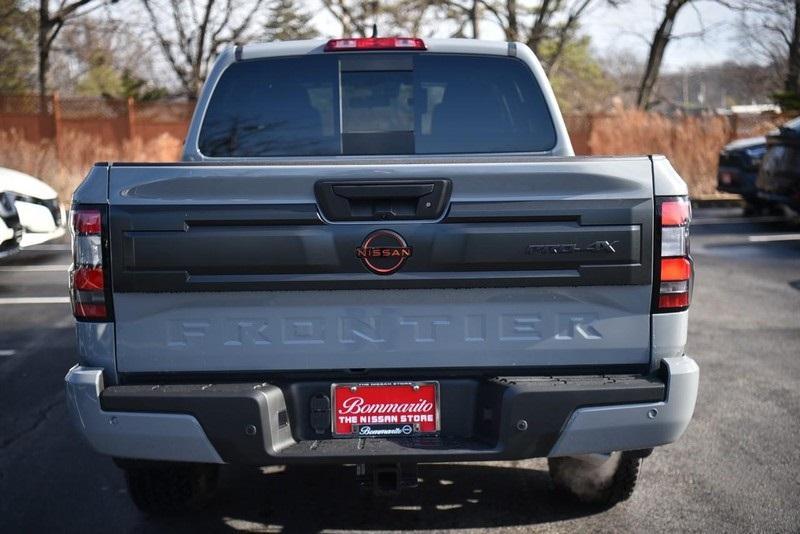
x,y
692,144
64,165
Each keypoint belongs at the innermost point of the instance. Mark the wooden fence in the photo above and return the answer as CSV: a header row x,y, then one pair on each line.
x,y
111,120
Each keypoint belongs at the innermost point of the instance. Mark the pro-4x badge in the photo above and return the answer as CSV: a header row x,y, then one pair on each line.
x,y
383,252
607,247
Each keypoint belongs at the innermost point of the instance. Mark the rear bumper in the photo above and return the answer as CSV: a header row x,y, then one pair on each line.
x,y
481,419
151,436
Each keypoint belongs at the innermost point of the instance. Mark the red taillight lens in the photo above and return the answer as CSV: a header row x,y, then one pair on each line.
x,y
676,212
87,277
375,43
86,222
675,269
673,273
677,300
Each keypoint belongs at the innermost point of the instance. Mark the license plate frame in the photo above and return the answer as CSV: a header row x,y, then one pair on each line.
x,y
426,391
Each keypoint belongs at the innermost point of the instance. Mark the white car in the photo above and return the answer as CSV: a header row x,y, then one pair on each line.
x,y
36,203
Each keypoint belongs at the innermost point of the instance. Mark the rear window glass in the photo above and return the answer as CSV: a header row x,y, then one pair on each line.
x,y
360,104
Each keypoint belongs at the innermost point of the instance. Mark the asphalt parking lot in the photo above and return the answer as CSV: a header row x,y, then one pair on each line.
x,y
736,469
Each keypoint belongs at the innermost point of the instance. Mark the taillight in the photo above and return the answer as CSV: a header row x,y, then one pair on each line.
x,y
88,278
673,273
375,43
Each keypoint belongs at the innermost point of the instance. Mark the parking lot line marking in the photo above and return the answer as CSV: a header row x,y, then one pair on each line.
x,y
48,247
34,300
774,237
32,268
7,352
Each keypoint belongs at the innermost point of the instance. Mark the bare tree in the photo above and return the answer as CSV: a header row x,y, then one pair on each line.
x,y
356,17
551,22
554,22
792,83
562,33
466,13
106,46
191,34
771,29
658,45
51,21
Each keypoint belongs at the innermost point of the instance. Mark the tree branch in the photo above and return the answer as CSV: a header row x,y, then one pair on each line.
x,y
166,46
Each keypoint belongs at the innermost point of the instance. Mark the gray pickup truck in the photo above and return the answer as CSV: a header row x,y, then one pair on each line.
x,y
380,252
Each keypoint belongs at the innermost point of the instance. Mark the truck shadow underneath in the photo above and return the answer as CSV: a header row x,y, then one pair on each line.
x,y
317,498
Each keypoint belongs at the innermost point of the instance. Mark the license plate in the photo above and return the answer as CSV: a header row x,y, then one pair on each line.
x,y
391,409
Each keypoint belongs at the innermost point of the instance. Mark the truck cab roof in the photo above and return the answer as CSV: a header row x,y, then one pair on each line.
x,y
317,46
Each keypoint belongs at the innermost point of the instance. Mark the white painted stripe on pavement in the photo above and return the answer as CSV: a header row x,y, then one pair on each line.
x,y
34,300
33,268
49,247
775,237
7,352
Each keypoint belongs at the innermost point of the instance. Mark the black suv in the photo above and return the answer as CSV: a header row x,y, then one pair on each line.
x,y
779,177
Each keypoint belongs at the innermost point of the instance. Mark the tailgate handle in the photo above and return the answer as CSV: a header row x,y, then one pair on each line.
x,y
384,200
380,192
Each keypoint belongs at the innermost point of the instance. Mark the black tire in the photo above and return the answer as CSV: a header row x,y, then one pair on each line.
x,y
755,207
589,483
165,488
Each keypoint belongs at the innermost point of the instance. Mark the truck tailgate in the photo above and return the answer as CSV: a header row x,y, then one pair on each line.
x,y
534,262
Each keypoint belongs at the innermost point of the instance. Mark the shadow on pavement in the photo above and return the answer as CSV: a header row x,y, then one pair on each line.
x,y
316,498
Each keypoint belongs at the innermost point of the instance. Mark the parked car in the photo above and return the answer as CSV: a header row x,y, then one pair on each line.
x,y
10,227
40,212
779,177
738,168
380,252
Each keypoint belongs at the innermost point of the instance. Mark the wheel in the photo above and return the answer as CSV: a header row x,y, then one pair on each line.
x,y
597,479
163,488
